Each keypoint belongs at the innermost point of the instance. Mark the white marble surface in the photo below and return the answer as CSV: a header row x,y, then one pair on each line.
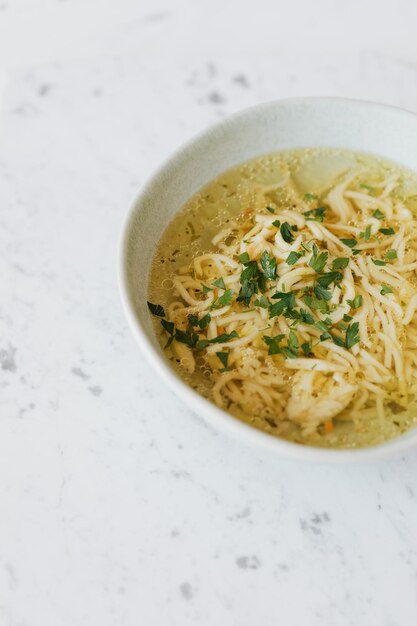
x,y
119,507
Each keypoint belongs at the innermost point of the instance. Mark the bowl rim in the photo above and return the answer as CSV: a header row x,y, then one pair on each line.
x,y
212,414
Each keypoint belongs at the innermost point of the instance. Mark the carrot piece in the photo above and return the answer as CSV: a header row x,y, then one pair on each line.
x,y
328,426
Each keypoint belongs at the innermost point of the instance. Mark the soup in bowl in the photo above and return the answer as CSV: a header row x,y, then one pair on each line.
x,y
268,270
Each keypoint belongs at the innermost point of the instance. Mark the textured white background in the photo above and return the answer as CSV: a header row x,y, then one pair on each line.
x,y
119,507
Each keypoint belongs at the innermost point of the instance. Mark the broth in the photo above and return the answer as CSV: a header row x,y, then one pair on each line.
x,y
285,292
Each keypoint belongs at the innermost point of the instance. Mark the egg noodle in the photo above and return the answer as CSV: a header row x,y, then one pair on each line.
x,y
304,313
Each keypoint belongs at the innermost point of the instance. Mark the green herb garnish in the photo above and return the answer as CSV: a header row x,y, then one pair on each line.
x,y
224,337
338,341
340,264
321,293
391,255
318,214
183,336
269,265
193,320
325,280
293,343
379,262
273,343
156,309
316,304
356,303
306,348
378,214
276,223
219,283
286,232
366,233
262,302
293,258
350,243
251,279
286,301
205,321
385,289
168,326
309,197
352,335
318,261
224,300
244,258
270,209
224,357
387,231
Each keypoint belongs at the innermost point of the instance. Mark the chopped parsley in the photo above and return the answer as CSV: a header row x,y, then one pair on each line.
x,y
379,262
293,343
323,325
206,289
262,302
273,343
289,351
306,348
366,233
367,187
219,283
309,197
340,264
318,261
378,214
270,209
316,303
224,337
205,321
251,280
168,326
385,289
286,301
391,255
224,300
286,232
338,341
184,336
244,258
387,231
269,265
356,303
352,335
321,293
325,280
293,257
193,320
276,223
156,309
350,243
306,317
224,357
315,215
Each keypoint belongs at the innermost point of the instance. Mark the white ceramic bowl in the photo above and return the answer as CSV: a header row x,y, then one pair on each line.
x,y
280,125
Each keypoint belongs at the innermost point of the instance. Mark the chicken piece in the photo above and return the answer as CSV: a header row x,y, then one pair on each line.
x,y
316,398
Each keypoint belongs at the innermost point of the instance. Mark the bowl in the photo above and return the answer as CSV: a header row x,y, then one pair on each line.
x,y
280,125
